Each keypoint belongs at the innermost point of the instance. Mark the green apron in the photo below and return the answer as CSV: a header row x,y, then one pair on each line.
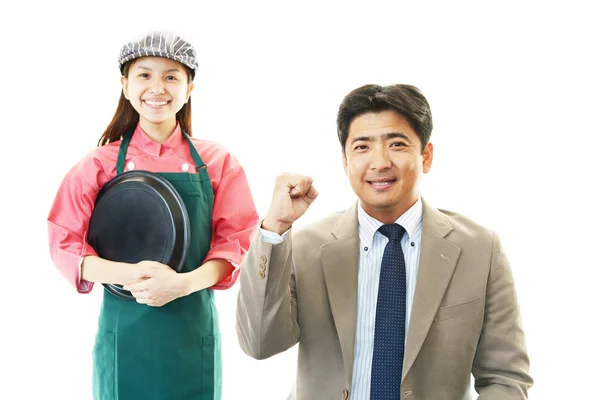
x,y
171,352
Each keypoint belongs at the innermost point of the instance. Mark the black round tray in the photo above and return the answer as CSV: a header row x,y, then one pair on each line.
x,y
138,215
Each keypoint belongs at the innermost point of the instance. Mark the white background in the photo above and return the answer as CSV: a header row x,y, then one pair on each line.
x,y
514,93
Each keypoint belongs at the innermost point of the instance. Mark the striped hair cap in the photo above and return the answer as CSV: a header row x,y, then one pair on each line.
x,y
160,44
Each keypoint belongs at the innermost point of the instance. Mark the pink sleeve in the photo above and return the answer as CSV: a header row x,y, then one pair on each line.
x,y
69,218
234,221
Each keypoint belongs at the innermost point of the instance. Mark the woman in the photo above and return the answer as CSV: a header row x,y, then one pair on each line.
x,y
166,344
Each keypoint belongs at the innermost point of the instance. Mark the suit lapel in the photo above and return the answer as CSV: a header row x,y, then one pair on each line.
x,y
436,264
340,269
340,260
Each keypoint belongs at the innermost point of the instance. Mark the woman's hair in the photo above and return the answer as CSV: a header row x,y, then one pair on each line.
x,y
126,117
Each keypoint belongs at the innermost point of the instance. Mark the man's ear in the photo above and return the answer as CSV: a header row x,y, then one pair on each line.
x,y
427,157
345,161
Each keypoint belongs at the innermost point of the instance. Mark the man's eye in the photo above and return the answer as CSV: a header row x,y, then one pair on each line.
x,y
360,147
398,144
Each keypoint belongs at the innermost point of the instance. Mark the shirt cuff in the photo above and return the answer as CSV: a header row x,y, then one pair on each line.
x,y
82,285
272,237
229,280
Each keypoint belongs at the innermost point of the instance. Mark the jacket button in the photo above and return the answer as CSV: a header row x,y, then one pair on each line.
x,y
261,274
263,259
345,394
262,267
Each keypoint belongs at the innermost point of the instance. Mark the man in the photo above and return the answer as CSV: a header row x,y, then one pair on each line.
x,y
391,299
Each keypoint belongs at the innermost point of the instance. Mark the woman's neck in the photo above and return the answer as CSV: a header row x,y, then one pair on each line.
x,y
158,132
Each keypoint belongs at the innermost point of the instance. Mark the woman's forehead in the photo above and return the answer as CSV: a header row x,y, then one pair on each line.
x,y
157,63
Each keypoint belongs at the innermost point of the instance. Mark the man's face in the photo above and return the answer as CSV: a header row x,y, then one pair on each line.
x,y
383,161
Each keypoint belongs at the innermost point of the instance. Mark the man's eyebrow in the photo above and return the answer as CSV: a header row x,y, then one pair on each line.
x,y
362,139
393,135
390,135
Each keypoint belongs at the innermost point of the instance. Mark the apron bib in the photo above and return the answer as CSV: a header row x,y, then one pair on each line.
x,y
171,352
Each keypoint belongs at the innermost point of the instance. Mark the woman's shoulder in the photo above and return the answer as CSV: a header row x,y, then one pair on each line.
x,y
101,154
97,165
204,144
215,154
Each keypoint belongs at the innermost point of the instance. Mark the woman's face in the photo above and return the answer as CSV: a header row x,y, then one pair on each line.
x,y
157,88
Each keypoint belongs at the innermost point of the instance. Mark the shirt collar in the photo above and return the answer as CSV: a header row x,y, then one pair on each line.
x,y
144,142
410,221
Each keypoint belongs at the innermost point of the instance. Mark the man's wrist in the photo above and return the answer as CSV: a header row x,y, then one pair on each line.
x,y
275,227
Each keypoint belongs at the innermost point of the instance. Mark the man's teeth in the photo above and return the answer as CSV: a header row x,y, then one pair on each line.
x,y
156,103
381,183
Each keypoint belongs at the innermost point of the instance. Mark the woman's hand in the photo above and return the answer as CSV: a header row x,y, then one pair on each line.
x,y
157,284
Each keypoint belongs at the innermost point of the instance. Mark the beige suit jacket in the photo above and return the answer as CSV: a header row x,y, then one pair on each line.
x,y
464,319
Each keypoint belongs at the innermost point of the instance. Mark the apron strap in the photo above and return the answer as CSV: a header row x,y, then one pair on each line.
x,y
197,159
123,152
125,144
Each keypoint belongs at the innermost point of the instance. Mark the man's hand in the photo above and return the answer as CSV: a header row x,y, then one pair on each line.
x,y
292,196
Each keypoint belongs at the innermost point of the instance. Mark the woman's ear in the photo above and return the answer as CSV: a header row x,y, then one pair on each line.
x,y
189,91
124,84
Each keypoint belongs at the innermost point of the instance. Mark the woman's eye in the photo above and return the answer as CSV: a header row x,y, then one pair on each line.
x,y
171,78
143,75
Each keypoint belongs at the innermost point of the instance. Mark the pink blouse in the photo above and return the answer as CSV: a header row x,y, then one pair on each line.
x,y
234,214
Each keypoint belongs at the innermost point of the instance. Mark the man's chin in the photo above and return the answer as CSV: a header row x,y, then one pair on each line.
x,y
378,204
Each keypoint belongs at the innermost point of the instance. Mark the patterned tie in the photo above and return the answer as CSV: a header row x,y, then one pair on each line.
x,y
388,346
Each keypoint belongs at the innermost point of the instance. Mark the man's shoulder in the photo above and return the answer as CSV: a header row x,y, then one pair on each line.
x,y
465,227
460,220
321,229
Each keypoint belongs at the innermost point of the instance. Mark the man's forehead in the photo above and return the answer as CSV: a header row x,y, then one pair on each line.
x,y
372,119
381,119
375,130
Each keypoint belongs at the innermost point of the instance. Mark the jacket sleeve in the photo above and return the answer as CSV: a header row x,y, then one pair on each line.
x,y
501,365
267,314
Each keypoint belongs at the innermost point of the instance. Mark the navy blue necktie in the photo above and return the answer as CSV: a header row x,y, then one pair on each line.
x,y
388,346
